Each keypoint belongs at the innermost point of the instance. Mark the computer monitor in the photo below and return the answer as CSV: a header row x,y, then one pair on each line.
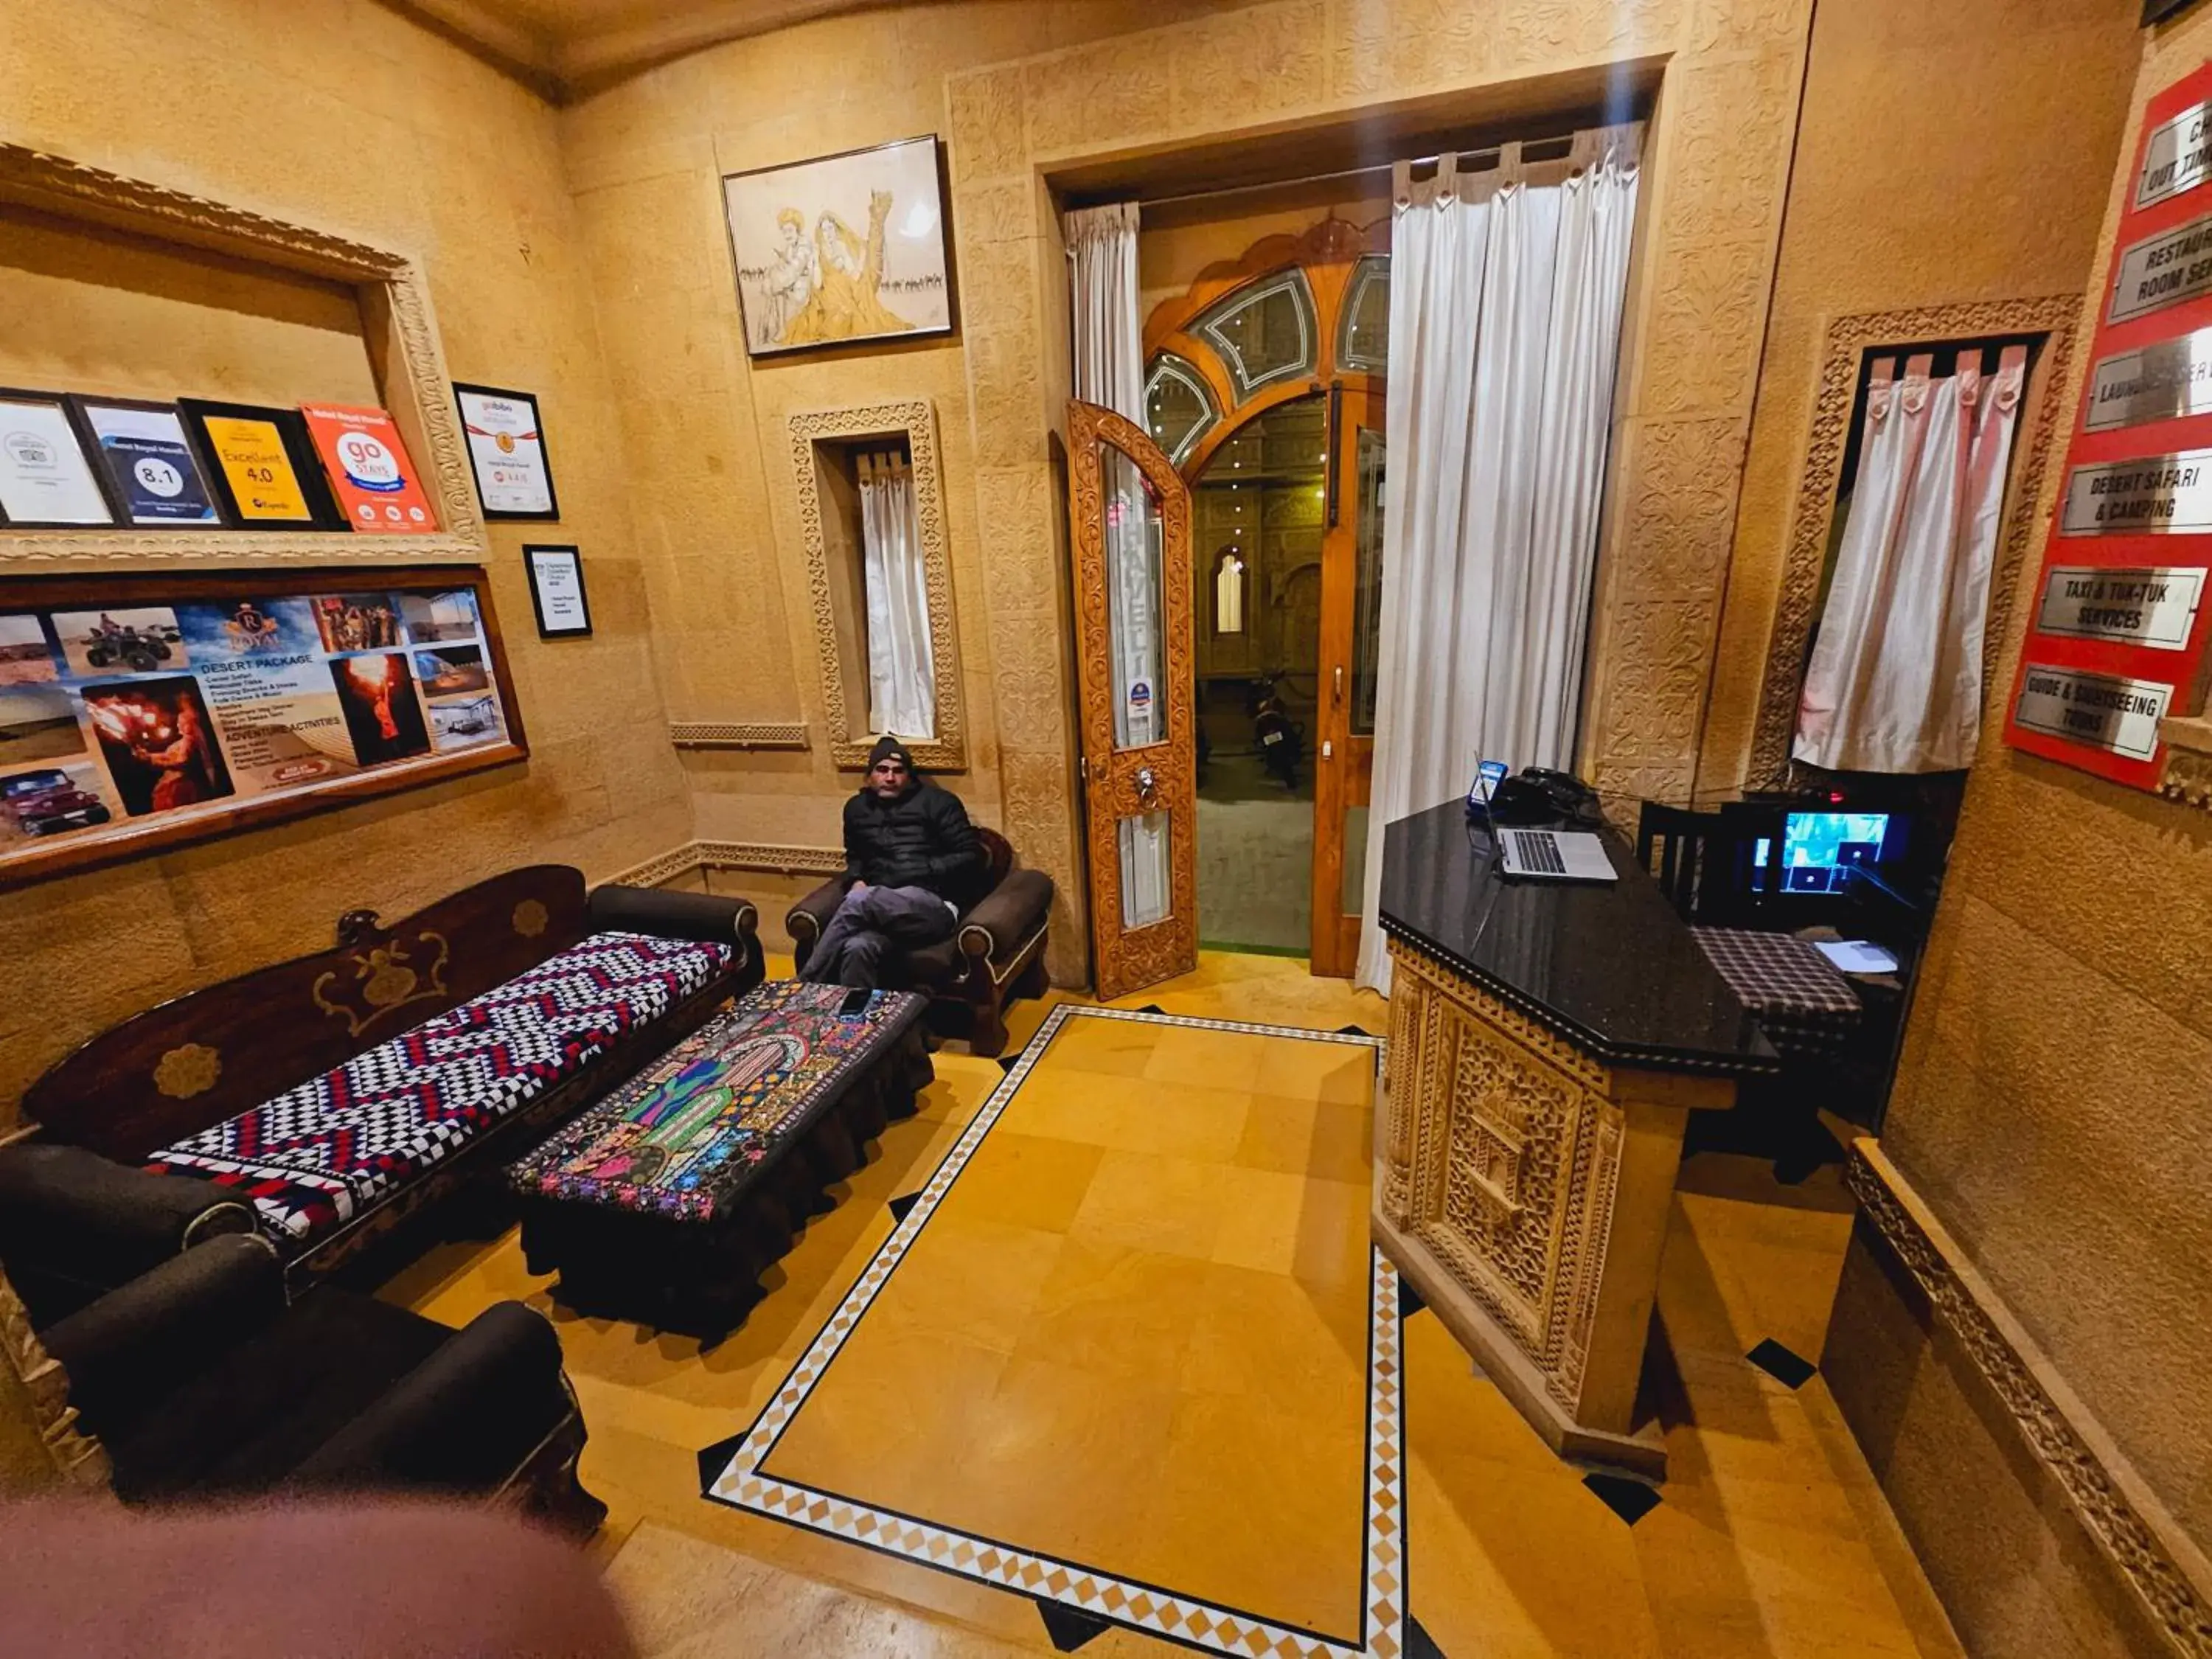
x,y
1816,847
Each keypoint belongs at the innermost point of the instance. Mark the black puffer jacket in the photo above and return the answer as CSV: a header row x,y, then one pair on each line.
x,y
919,839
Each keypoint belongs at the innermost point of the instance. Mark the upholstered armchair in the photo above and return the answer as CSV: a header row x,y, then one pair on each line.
x,y
200,1380
995,955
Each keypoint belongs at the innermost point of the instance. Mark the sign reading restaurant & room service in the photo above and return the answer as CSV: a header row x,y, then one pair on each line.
x,y
2119,629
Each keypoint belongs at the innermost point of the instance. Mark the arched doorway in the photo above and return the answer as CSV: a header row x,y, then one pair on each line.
x,y
1265,387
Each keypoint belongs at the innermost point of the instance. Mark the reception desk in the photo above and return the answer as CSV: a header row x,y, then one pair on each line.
x,y
1547,1044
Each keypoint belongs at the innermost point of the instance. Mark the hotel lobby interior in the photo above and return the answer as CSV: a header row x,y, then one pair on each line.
x,y
960,827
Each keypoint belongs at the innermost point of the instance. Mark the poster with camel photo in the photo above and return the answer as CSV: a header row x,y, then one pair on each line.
x,y
843,249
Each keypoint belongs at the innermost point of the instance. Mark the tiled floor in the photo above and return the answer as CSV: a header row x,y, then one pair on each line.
x,y
1134,1339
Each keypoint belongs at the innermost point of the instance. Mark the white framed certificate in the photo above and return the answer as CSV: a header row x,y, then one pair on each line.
x,y
507,453
45,481
557,591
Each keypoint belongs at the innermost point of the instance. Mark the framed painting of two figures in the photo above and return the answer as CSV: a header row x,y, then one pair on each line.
x,y
841,250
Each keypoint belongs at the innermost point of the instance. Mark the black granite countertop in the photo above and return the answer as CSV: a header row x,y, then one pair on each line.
x,y
1610,967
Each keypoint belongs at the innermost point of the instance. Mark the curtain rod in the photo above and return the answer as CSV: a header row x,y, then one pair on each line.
x,y
1565,142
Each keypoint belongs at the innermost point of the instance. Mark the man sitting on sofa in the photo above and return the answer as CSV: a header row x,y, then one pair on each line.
x,y
912,858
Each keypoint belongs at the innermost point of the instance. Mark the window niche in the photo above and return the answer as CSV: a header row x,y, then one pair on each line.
x,y
1852,342
119,286
884,633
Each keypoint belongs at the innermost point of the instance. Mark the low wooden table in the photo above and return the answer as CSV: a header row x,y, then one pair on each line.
x,y
666,1202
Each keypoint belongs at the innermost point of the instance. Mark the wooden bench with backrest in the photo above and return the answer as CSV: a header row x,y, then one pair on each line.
x,y
322,1100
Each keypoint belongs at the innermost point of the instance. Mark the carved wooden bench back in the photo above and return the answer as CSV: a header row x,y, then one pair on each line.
x,y
211,1054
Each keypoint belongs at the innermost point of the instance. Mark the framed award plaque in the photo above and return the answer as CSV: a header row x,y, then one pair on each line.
x,y
262,465
379,492
47,483
507,453
145,462
557,592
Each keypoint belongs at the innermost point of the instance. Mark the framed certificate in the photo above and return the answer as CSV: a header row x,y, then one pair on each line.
x,y
370,472
557,591
45,481
263,466
146,462
507,453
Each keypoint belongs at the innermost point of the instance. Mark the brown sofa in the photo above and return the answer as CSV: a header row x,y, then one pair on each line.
x,y
995,955
324,1099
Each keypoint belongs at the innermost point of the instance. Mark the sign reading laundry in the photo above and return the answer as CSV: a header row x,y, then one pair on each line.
x,y
2156,495
2135,605
2158,383
2120,716
2177,156
2163,270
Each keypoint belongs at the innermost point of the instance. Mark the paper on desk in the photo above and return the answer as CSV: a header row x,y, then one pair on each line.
x,y
1856,956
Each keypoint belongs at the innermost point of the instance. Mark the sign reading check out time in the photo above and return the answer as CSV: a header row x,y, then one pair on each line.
x,y
2119,628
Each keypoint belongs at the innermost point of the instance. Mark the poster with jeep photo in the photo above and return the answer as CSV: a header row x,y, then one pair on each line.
x,y
212,709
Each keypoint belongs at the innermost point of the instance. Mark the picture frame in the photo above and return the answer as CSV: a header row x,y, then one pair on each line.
x,y
229,455
146,461
157,709
65,472
843,250
508,456
557,591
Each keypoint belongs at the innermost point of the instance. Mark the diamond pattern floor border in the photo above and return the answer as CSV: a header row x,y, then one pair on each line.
x,y
1189,1620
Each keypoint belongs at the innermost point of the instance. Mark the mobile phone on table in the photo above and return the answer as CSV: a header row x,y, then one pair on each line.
x,y
854,1005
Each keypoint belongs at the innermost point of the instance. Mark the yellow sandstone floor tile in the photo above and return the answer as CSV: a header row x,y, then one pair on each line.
x,y
1135,1334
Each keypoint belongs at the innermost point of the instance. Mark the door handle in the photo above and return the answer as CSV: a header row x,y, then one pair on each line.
x,y
1337,695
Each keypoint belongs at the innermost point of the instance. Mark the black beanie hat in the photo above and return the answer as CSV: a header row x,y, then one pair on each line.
x,y
887,746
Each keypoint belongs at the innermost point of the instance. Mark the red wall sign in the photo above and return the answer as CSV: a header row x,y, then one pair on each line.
x,y
2116,631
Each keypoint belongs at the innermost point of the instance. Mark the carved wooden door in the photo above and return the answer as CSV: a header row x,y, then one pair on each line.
x,y
1351,635
1129,539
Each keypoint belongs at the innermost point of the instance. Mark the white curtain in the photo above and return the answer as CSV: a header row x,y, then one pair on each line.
x,y
1506,290
1894,682
1109,371
901,662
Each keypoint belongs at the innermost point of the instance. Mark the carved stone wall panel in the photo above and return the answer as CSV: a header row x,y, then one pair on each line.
x,y
1260,62
1812,520
989,127
1703,353
1095,93
1001,278
1675,541
1655,687
1411,46
1511,1189
1000,212
1732,25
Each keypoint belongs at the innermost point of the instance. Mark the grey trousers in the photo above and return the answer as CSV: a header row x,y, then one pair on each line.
x,y
870,925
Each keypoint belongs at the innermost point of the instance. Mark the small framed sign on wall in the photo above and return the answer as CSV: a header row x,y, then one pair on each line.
x,y
507,453
557,591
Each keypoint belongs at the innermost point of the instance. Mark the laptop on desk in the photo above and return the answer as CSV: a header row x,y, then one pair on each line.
x,y
1553,854
1535,854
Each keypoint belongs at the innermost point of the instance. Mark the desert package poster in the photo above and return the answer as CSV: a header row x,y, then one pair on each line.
x,y
135,710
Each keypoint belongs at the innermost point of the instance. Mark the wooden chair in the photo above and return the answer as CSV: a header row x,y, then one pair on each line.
x,y
1692,855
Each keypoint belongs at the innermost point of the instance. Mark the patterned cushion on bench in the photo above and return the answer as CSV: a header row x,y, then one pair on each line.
x,y
318,1155
686,1133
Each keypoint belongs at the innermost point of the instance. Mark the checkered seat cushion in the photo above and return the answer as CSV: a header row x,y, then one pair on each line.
x,y
333,1148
